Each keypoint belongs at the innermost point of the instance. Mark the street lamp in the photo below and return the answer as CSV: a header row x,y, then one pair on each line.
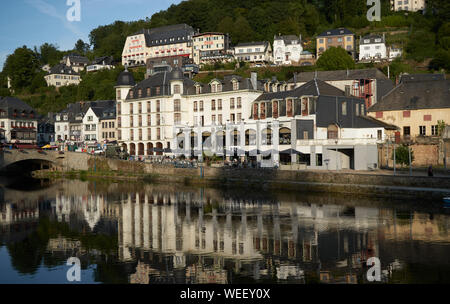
x,y
336,154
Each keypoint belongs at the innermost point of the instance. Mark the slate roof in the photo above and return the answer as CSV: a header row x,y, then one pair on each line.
x,y
340,75
161,80
253,43
336,32
109,113
153,36
288,39
414,95
421,77
125,79
371,39
62,69
13,105
107,59
227,85
75,58
314,87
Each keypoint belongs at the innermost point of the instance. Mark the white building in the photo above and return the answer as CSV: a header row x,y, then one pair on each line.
x,y
166,41
100,64
211,47
287,49
62,75
254,52
372,47
148,112
408,5
395,52
91,126
76,62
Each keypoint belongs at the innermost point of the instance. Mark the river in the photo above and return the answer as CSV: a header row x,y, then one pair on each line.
x,y
163,234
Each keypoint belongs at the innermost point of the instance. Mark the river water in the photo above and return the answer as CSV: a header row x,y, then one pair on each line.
x,y
165,234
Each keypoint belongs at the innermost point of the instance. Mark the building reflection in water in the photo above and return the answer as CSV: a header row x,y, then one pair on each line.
x,y
198,236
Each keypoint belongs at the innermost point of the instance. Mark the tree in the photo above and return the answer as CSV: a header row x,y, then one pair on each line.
x,y
402,155
21,67
49,54
81,47
421,45
335,59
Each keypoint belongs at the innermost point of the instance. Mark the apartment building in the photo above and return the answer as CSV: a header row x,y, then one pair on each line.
x,y
62,75
340,37
166,41
253,52
211,47
416,105
18,122
108,126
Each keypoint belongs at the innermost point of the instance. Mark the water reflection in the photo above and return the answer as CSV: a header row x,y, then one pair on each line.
x,y
162,234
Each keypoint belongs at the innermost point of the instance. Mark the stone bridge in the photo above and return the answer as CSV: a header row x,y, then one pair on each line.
x,y
30,160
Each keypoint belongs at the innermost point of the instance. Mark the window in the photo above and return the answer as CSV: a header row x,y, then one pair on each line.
x,y
201,105
148,107
231,103
219,104
140,108
422,130
139,93
176,105
158,106
239,102
357,109
149,134
195,106
177,118
235,85
379,134
219,118
176,89
131,108
406,114
118,94
158,119
344,108
213,105
434,130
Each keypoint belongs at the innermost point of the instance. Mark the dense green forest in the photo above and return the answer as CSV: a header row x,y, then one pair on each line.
x,y
425,37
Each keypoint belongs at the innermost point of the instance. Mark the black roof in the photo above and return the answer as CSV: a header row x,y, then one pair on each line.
x,y
314,87
372,39
62,69
164,33
414,95
109,113
421,77
243,44
78,109
13,105
76,58
288,39
107,59
227,84
339,75
125,79
161,81
336,32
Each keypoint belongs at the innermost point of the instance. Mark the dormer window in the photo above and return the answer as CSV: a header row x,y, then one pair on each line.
x,y
131,94
198,89
235,85
139,93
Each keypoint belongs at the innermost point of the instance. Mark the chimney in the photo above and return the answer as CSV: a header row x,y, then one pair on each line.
x,y
254,80
347,90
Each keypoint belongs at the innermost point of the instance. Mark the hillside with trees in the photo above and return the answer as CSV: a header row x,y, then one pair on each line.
x,y
425,38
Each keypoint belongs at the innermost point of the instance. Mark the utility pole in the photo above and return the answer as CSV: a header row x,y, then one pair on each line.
x,y
394,159
410,163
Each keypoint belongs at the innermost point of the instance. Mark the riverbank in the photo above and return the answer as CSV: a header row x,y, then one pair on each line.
x,y
373,184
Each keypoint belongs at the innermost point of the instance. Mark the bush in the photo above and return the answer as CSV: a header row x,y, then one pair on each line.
x,y
402,155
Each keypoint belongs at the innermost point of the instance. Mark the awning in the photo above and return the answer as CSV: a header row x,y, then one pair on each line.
x,y
290,151
25,146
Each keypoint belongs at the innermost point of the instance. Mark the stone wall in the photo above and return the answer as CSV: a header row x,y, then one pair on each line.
x,y
424,155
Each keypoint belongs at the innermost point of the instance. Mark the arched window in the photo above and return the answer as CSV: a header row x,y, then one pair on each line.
x,y
332,132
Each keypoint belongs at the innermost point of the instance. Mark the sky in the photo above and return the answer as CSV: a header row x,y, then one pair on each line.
x,y
34,22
